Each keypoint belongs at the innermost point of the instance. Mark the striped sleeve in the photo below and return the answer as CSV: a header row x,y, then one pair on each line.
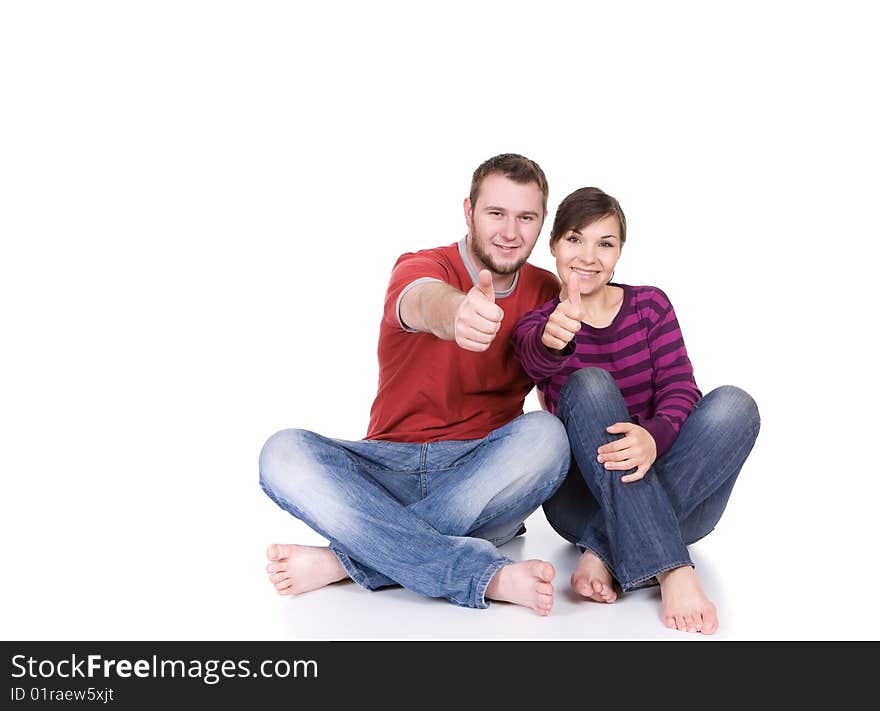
x,y
675,390
539,362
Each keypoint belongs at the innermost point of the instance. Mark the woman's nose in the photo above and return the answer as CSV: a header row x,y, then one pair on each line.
x,y
586,254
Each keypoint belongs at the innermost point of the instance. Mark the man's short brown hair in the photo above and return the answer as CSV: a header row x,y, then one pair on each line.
x,y
514,167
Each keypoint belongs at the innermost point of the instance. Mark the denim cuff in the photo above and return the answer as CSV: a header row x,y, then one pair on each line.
x,y
353,571
480,600
644,580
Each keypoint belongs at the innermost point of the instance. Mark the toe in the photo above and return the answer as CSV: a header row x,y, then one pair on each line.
x,y
544,589
710,622
690,624
279,576
680,623
543,605
547,572
278,551
581,586
274,567
669,622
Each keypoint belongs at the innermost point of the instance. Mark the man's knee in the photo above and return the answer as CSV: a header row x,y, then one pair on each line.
x,y
544,444
282,456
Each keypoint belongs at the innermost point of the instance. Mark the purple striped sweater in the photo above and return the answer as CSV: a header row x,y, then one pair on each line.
x,y
642,348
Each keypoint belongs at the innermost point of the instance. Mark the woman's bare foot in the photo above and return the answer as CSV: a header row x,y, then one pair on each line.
x,y
685,605
592,579
295,569
526,583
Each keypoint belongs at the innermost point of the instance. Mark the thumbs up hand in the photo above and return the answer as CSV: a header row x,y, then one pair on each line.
x,y
565,321
478,318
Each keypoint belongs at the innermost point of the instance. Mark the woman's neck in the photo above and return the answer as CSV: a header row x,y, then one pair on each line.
x,y
599,306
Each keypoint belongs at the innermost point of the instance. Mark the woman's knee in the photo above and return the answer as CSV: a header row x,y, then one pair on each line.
x,y
590,386
729,405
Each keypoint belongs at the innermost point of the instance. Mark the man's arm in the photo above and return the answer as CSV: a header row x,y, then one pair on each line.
x,y
471,319
430,308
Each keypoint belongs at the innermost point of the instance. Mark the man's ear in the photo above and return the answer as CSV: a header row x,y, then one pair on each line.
x,y
468,212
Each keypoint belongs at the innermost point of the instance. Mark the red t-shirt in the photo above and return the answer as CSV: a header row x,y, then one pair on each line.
x,y
431,389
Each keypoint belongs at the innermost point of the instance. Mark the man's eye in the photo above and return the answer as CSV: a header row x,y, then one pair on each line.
x,y
528,218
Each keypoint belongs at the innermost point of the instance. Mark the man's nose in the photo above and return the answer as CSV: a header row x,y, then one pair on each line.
x,y
510,228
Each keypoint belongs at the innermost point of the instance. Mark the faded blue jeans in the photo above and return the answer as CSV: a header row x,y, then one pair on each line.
x,y
643,528
425,516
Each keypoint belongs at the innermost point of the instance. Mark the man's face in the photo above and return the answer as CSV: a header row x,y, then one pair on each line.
x,y
504,224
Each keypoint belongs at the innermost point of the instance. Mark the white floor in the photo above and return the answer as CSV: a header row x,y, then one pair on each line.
x,y
197,573
347,612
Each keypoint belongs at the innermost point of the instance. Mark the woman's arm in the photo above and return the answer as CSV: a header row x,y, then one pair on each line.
x,y
675,390
539,362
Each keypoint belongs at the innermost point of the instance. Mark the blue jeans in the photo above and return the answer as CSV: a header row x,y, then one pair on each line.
x,y
425,516
643,528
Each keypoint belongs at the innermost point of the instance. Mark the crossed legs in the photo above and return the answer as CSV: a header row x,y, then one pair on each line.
x,y
425,537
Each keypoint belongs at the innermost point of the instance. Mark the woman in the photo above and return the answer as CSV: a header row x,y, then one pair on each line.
x,y
653,460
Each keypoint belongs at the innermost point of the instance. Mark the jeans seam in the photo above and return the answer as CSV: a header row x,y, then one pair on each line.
x,y
423,471
472,452
370,468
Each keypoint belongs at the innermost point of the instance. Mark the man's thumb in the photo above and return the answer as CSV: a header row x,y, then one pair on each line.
x,y
485,284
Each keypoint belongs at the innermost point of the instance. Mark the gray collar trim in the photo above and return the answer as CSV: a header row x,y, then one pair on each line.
x,y
462,251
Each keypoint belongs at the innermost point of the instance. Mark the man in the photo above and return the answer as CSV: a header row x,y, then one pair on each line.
x,y
451,466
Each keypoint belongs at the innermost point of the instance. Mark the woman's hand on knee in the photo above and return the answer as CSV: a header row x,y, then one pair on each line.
x,y
635,450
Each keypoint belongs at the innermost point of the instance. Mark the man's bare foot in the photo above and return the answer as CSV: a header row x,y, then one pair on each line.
x,y
592,579
295,569
685,605
526,583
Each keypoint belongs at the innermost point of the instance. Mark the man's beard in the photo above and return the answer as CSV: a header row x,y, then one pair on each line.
x,y
490,262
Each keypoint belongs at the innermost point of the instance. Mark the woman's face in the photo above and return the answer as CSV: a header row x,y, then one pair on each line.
x,y
589,254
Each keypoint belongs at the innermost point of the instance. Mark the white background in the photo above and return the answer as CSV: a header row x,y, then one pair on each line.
x,y
201,203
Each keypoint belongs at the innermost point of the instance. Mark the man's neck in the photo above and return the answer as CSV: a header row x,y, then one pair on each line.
x,y
500,282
